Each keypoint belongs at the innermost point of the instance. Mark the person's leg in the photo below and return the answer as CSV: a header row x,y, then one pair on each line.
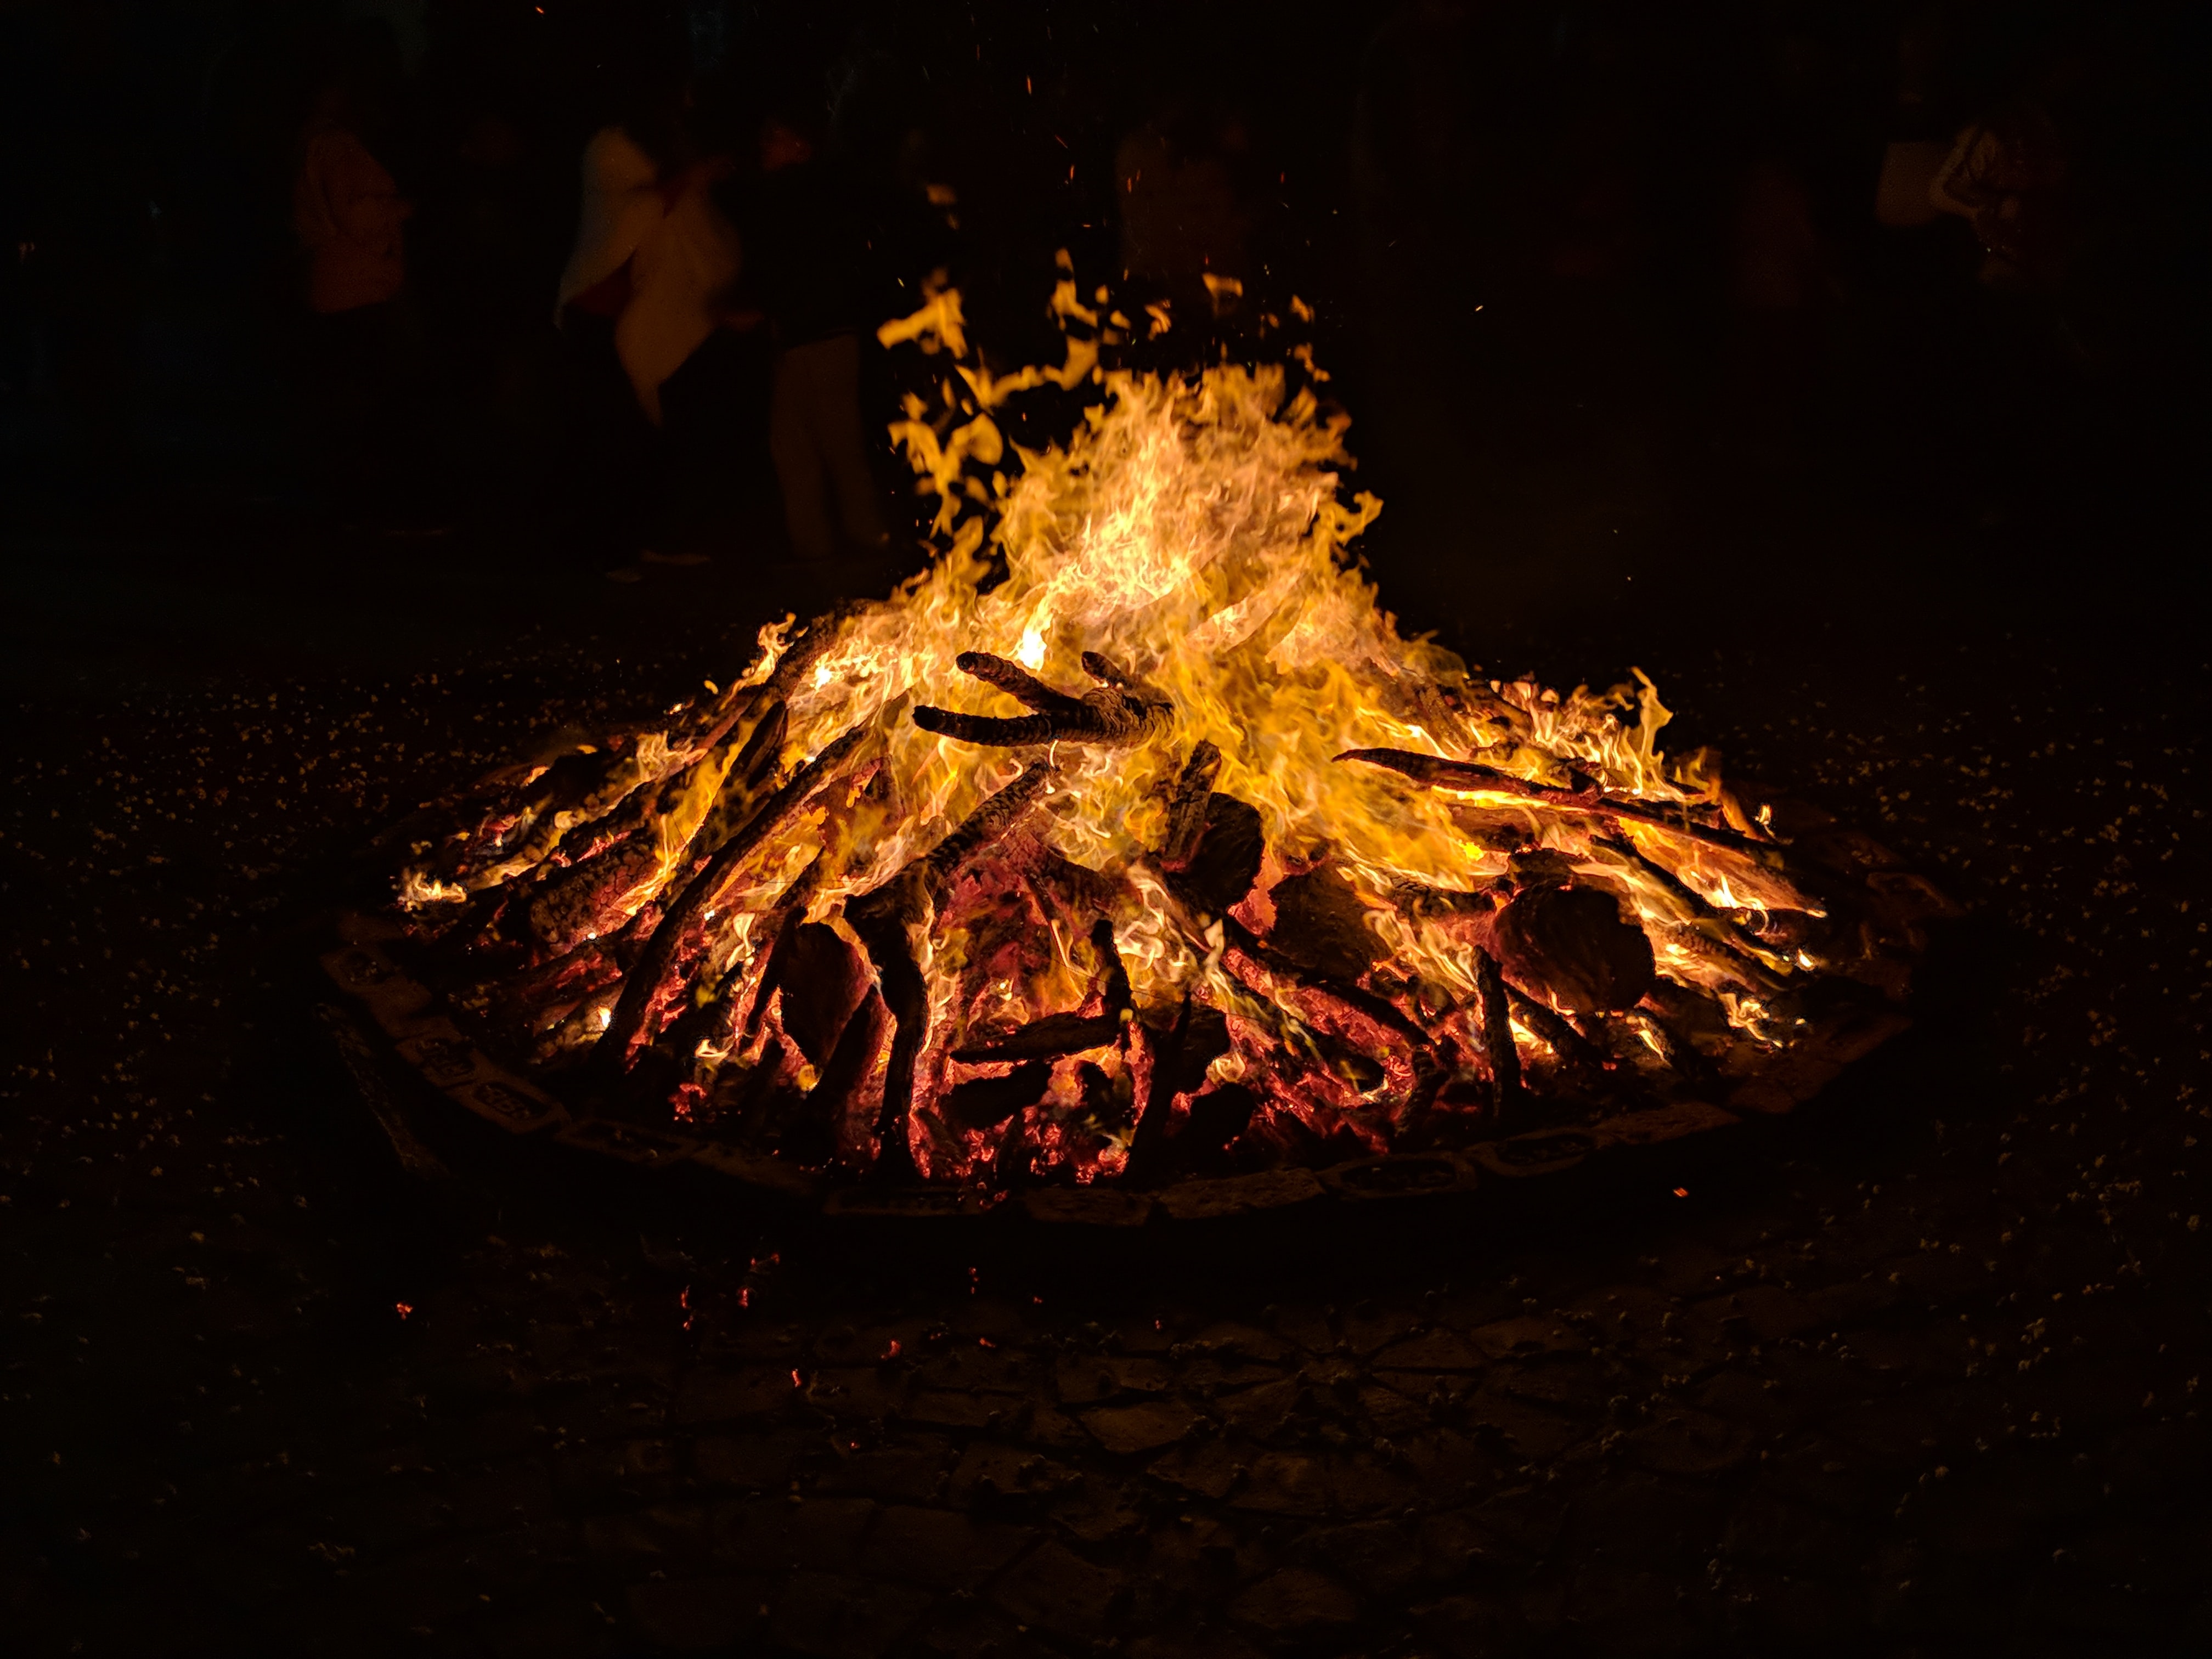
x,y
798,459
833,417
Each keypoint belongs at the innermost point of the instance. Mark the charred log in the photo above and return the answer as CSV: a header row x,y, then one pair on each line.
x,y
1569,946
841,1089
1187,808
986,825
1708,920
984,1102
1673,1048
1112,716
1575,1050
646,981
1506,1094
1046,1038
1322,926
824,981
886,920
1436,773
1232,846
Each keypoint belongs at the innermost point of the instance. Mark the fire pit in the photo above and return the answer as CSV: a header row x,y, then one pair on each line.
x,y
1129,857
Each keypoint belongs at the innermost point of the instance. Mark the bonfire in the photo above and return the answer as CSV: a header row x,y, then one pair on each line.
x,y
1132,842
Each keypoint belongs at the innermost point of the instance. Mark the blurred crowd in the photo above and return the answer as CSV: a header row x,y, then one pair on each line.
x,y
617,267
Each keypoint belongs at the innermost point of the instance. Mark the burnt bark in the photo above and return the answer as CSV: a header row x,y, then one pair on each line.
x,y
704,889
990,820
1046,1038
1570,946
1186,804
885,921
1507,1096
1437,773
1113,715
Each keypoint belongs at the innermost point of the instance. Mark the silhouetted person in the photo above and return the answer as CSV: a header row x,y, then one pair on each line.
x,y
810,269
351,218
647,285
655,254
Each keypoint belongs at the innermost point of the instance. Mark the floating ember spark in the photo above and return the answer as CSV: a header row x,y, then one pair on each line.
x,y
1131,841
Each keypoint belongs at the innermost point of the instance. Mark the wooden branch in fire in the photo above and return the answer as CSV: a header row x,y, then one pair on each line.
x,y
1115,715
1438,773
705,888
886,919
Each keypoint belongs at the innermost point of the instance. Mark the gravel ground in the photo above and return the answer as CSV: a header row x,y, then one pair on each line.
x,y
1916,1372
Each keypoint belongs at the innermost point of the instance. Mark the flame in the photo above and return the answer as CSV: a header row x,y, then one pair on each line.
x,y
1197,534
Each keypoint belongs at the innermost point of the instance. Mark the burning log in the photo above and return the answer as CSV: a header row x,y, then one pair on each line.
x,y
887,919
1695,910
1321,925
1671,1046
1047,1038
1568,947
824,981
984,1102
1574,1050
1506,1091
1186,813
1114,716
704,890
986,825
1231,848
1438,773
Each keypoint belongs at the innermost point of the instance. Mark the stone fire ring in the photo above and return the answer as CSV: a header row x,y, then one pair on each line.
x,y
415,1030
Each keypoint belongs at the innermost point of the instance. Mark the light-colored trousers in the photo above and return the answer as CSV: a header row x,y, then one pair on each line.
x,y
814,434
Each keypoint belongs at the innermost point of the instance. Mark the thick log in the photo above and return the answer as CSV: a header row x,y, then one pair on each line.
x,y
1506,1092
1054,1035
1438,773
1570,946
1321,924
1674,1049
990,820
1045,1039
1200,1035
1113,976
851,1063
822,979
1574,1050
1231,847
1187,816
984,1102
885,920
705,889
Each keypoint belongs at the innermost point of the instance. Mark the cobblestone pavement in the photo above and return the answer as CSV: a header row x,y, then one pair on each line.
x,y
1917,1373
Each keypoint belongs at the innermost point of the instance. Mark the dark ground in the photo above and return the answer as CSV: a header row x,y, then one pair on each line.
x,y
1914,1372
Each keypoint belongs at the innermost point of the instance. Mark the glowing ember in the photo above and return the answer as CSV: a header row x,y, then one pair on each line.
x,y
1131,840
